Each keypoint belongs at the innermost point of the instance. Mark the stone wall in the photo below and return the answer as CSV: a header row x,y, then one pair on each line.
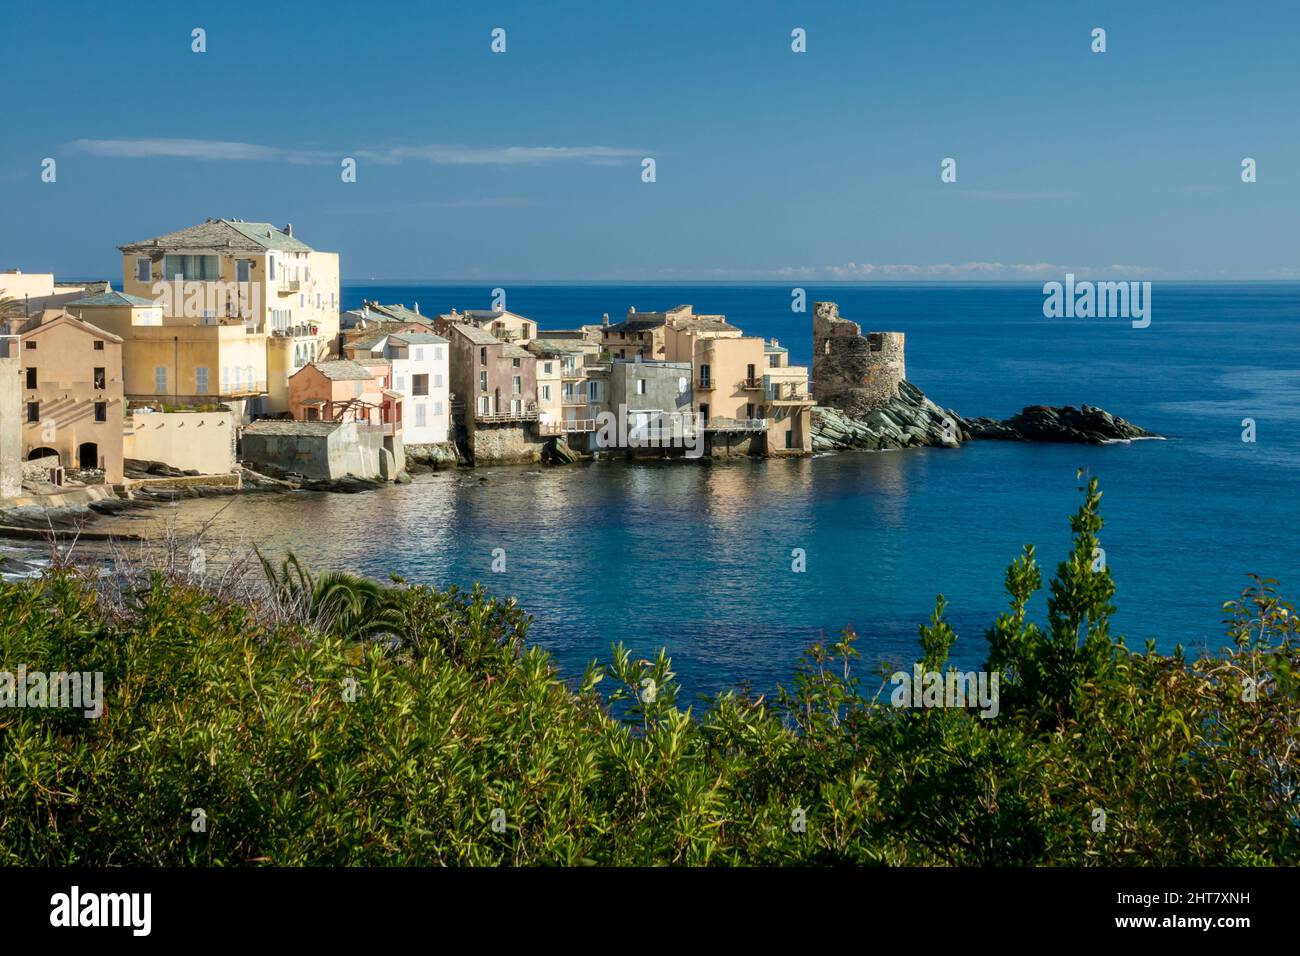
x,y
851,371
505,444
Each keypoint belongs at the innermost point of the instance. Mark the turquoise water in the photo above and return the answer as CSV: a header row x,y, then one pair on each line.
x,y
697,557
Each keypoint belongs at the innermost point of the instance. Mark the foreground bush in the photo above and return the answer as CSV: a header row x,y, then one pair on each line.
x,y
305,735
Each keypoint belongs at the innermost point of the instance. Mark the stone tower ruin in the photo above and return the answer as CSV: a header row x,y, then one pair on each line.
x,y
851,371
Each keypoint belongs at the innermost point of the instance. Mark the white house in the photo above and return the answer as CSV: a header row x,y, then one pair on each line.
x,y
420,374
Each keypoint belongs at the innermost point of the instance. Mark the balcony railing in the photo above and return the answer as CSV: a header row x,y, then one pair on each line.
x,y
736,425
704,383
750,383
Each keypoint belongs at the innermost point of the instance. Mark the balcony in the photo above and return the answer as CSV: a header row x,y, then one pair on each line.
x,y
788,395
736,425
750,383
498,418
704,384
290,286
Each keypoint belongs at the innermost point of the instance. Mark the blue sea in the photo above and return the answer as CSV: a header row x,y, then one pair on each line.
x,y
697,557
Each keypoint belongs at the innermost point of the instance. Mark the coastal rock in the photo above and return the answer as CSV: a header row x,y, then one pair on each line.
x,y
1088,425
911,420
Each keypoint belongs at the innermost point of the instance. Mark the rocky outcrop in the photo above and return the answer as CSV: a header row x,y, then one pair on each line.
x,y
911,420
1088,425
421,459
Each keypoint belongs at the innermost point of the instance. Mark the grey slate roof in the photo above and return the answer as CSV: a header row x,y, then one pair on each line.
x,y
112,298
418,338
292,429
342,370
223,235
475,334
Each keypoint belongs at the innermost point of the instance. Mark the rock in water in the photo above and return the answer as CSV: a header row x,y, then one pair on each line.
x,y
911,420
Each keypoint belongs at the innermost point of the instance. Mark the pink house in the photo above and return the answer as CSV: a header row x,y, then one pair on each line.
x,y
347,391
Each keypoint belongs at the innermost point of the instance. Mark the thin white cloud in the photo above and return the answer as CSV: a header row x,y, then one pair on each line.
x,y
439,155
962,270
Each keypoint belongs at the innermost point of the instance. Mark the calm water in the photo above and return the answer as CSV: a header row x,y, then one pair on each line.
x,y
696,557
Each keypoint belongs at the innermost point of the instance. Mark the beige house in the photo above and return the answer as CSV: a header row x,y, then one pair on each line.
x,y
747,396
503,325
72,393
244,305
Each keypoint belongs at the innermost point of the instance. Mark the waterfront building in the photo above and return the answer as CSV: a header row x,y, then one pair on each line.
x,y
244,306
420,373
494,388
654,399
72,393
644,335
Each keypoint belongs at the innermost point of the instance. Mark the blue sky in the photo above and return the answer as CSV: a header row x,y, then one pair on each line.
x,y
770,164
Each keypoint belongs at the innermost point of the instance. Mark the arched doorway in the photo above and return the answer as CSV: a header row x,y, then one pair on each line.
x,y
88,455
36,453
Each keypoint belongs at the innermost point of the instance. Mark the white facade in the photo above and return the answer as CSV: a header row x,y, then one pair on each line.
x,y
420,373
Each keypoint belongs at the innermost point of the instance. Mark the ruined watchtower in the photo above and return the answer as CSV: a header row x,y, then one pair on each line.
x,y
851,371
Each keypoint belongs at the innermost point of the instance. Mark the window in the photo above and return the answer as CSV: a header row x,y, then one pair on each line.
x,y
200,381
419,354
160,379
420,420
595,391
250,377
516,384
419,385
29,345
356,391
400,383
482,355
101,411
705,373
142,269
749,372
225,378
789,438
482,381
546,393
99,378
484,404
437,380
270,267
437,408
31,378
302,300
200,268
516,406
33,411
243,270
437,353
514,363
640,386
99,345
774,361
546,368
749,410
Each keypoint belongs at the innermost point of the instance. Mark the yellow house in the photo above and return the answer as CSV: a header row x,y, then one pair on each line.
x,y
244,305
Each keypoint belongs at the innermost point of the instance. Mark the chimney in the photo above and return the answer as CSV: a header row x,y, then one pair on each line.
x,y
417,308
288,229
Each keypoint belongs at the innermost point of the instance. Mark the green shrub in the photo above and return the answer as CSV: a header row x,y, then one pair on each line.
x,y
463,745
